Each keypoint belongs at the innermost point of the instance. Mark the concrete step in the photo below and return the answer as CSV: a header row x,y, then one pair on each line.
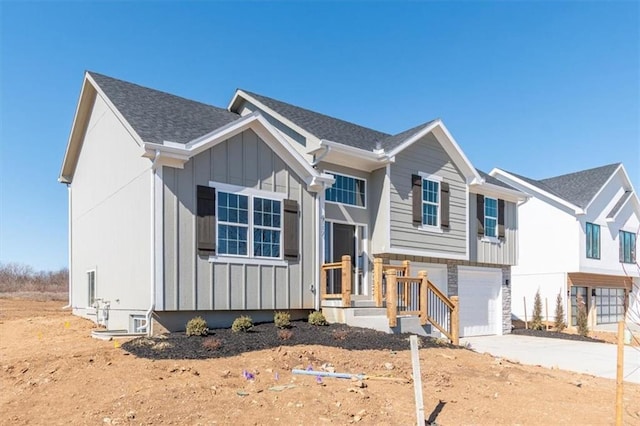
x,y
363,303
368,312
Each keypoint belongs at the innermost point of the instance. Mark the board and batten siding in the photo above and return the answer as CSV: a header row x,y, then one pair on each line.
x,y
191,281
427,156
503,253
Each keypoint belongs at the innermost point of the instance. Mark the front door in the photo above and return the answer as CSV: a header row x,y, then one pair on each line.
x,y
340,240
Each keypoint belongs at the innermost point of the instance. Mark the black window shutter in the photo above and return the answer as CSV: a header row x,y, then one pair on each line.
x,y
206,219
416,193
444,204
480,213
500,218
290,231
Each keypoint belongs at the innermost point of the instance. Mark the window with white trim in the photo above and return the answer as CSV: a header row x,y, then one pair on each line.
x,y
430,202
91,286
627,247
347,190
258,234
490,217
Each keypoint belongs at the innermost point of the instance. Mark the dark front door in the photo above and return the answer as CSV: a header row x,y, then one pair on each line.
x,y
343,242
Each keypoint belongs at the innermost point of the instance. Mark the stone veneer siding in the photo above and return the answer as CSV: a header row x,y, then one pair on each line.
x,y
452,279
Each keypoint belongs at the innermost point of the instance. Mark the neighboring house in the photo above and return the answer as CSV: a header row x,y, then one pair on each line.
x,y
177,209
577,238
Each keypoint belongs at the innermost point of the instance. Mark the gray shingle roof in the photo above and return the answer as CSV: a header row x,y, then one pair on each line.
x,y
490,179
578,188
395,140
158,116
323,126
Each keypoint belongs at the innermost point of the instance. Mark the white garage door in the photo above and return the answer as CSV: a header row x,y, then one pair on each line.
x,y
480,296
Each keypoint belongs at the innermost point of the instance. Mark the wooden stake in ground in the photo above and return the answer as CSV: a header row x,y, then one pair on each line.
x,y
619,373
526,325
417,380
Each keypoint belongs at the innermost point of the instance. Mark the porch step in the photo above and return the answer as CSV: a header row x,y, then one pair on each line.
x,y
363,312
363,303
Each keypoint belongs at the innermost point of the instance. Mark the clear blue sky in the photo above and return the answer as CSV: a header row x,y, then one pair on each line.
x,y
540,88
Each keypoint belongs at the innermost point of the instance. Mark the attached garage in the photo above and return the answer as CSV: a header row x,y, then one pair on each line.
x,y
480,298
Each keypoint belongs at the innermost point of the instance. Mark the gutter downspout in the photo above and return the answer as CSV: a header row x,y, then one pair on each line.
x,y
69,244
319,158
152,303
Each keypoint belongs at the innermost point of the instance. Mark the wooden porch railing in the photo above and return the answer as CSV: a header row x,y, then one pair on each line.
x,y
345,281
379,283
418,296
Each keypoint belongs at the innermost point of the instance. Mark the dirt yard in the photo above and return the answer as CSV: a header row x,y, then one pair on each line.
x,y
53,372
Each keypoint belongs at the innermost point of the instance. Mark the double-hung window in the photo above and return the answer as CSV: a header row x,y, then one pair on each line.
x,y
627,247
249,225
593,241
430,202
490,217
347,190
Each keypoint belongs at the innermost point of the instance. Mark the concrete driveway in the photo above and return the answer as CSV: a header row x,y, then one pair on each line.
x,y
598,359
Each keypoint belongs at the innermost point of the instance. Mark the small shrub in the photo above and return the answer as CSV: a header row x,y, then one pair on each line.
x,y
559,319
282,319
197,327
340,334
242,323
316,318
536,321
211,343
582,319
285,334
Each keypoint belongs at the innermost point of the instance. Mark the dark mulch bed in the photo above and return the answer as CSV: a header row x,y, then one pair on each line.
x,y
265,336
554,335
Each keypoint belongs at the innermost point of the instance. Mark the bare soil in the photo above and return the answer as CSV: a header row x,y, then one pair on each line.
x,y
53,372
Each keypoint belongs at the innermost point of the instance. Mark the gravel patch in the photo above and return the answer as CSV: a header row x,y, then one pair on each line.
x,y
225,343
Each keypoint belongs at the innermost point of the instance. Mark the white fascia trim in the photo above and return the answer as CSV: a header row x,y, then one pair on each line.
x,y
242,94
453,149
633,196
493,190
115,110
182,153
496,171
376,156
61,177
604,185
424,253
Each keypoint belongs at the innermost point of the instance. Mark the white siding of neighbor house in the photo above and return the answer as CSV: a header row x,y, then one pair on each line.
x,y
547,239
110,219
427,156
626,220
502,253
525,286
192,282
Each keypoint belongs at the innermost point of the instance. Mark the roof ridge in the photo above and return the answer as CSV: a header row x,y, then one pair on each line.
x,y
580,171
92,73
384,134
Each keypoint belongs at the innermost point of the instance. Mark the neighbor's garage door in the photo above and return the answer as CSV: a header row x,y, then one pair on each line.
x,y
480,296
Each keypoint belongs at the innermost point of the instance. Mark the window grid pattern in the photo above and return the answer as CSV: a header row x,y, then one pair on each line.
x,y
430,202
347,190
609,305
266,231
593,241
627,247
490,217
233,223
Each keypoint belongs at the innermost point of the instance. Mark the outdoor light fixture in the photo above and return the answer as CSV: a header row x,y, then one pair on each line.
x,y
593,292
506,282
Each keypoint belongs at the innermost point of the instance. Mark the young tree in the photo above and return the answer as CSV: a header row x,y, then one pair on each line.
x,y
536,321
582,322
559,320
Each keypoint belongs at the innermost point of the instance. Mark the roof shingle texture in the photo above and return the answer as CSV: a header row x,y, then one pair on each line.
x,y
333,129
158,116
578,188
